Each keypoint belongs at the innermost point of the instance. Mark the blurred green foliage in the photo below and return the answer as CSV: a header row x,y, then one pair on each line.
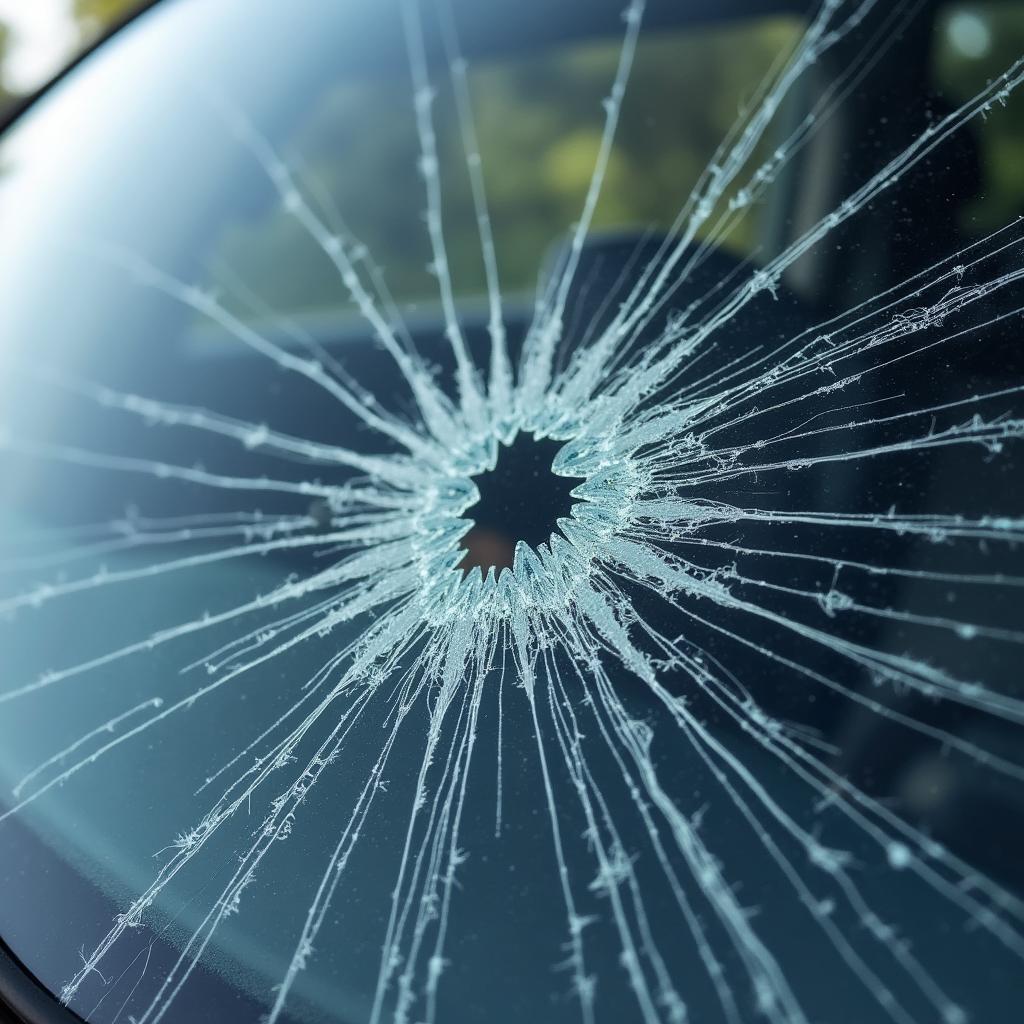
x,y
976,42
92,18
95,16
5,96
539,119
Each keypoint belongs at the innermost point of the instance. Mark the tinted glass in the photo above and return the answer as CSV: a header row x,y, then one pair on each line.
x,y
513,511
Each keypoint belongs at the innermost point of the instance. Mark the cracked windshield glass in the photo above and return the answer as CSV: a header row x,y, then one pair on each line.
x,y
513,511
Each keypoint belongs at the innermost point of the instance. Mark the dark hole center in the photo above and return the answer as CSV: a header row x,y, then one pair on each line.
x,y
521,499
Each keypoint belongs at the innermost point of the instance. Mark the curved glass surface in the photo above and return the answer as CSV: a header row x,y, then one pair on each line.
x,y
513,511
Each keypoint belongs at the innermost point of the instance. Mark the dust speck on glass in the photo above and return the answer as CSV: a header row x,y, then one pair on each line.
x,y
513,511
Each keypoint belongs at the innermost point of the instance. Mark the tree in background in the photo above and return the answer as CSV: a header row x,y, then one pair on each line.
x,y
94,17
5,38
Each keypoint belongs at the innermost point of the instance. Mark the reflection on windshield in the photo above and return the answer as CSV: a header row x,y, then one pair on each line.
x,y
646,651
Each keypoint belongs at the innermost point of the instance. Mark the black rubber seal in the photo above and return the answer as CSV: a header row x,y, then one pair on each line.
x,y
10,113
24,999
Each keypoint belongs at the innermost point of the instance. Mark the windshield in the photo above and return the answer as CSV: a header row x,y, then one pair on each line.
x,y
513,510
